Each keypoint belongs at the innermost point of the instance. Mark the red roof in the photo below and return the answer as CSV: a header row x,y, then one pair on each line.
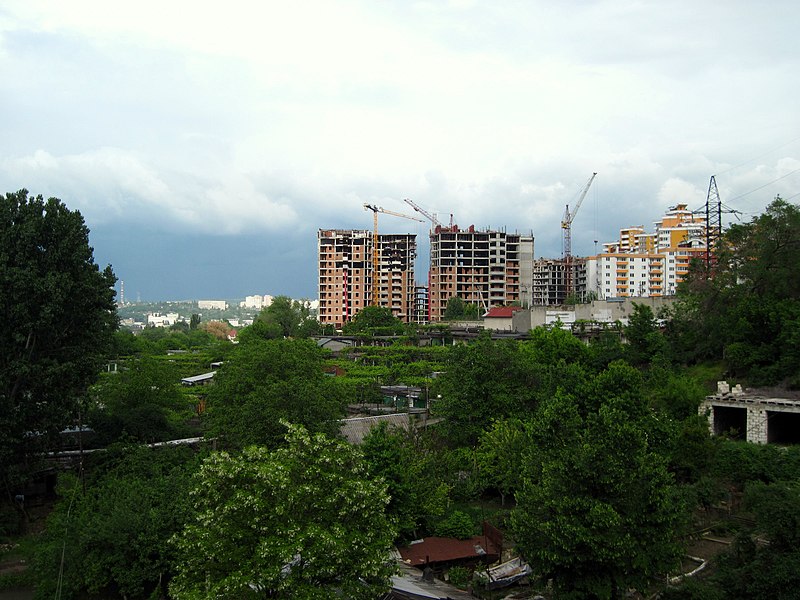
x,y
501,312
431,550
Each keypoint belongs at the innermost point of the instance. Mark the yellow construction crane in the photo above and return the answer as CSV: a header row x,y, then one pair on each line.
x,y
375,249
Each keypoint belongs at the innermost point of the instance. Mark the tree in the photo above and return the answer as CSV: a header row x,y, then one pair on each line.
x,y
598,511
748,312
263,381
59,319
406,462
218,329
644,339
118,526
141,403
489,380
287,318
458,310
377,320
483,381
498,455
753,571
304,521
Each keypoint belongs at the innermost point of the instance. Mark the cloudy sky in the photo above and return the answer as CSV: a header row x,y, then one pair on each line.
x,y
206,142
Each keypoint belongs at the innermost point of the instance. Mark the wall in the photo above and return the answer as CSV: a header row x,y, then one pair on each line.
x,y
603,311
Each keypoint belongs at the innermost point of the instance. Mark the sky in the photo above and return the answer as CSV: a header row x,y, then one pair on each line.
x,y
205,143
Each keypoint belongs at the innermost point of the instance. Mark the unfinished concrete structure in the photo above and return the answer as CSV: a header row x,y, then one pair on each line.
x,y
488,268
346,273
552,284
760,418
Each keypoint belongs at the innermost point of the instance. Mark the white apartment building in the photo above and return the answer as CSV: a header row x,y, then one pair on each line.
x,y
256,302
212,305
159,320
644,264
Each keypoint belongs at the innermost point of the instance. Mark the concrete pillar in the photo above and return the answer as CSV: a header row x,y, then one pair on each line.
x,y
756,425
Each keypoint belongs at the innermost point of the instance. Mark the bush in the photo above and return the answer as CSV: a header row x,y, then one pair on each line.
x,y
457,525
10,521
459,577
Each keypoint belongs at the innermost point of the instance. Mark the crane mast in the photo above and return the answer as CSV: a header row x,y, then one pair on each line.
x,y
375,250
566,222
566,227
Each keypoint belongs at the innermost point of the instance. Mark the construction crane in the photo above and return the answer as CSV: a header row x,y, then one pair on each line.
x,y
566,227
431,217
566,223
375,250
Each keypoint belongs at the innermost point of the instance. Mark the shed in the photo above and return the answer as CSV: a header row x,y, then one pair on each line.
x,y
203,379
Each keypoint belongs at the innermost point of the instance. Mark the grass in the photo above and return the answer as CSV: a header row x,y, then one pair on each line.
x,y
709,374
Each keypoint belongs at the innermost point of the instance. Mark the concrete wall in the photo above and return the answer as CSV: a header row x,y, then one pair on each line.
x,y
757,407
602,311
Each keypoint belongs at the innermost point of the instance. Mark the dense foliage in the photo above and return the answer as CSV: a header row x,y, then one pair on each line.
x,y
264,381
374,320
304,521
284,317
58,319
110,534
458,310
597,510
749,312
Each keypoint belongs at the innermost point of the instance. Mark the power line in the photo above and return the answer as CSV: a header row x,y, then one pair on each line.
x,y
759,156
765,185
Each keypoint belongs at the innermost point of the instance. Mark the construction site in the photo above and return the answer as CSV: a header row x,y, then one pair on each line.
x,y
491,267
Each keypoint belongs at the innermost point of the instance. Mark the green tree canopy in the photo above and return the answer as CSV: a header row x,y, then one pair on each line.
x,y
112,535
748,312
285,317
263,381
644,339
483,381
406,462
141,403
754,571
304,521
59,318
597,511
489,380
458,310
377,320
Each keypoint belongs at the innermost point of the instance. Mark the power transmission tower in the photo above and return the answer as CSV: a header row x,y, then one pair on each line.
x,y
713,223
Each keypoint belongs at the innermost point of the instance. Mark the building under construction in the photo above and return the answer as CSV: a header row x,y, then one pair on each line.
x,y
487,268
556,281
347,273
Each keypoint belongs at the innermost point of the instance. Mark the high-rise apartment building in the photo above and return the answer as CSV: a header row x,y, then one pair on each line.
x,y
649,264
346,273
487,268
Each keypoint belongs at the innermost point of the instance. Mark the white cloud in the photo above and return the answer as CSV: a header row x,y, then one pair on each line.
x,y
253,116
114,185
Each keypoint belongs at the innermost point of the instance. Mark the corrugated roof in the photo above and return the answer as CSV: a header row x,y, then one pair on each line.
x,y
432,550
198,378
409,584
